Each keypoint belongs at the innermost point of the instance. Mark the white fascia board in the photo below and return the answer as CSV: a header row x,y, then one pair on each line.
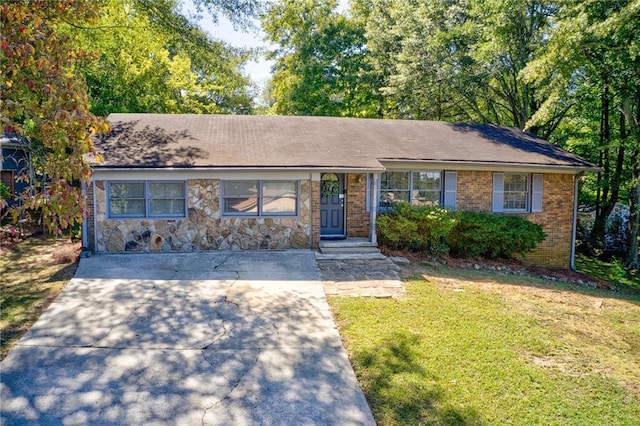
x,y
484,166
201,173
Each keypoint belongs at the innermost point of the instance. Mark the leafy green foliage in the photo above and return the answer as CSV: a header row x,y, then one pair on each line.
x,y
419,228
489,235
152,59
5,193
45,101
321,66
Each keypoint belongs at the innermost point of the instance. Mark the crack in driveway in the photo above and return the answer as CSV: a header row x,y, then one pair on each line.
x,y
233,386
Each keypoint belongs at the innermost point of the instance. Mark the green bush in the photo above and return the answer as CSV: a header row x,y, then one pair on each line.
x,y
5,191
418,228
491,235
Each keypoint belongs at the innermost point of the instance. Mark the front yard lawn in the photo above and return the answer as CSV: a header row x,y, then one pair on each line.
x,y
32,273
476,347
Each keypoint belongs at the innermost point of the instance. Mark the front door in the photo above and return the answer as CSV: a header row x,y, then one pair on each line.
x,y
332,205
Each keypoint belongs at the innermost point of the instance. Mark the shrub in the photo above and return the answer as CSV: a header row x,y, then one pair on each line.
x,y
478,234
418,228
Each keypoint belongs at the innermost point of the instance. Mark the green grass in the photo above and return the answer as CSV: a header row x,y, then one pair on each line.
x,y
475,348
613,272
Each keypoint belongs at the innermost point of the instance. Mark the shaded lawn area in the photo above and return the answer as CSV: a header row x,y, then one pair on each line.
x,y
33,272
475,347
627,281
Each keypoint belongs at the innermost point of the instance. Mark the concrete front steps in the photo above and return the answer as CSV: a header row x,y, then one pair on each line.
x,y
349,248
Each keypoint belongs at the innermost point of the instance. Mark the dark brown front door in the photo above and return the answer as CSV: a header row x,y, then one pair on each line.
x,y
332,205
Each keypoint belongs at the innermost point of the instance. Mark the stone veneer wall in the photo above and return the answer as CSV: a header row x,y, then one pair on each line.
x,y
357,214
475,192
204,228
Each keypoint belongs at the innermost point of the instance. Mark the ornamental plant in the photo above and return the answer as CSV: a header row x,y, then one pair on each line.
x,y
418,228
490,235
45,101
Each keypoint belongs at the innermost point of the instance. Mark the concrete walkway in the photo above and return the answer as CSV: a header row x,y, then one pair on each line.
x,y
366,277
199,338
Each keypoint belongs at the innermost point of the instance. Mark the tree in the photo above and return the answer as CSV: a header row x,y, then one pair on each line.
x,y
594,47
45,101
320,62
458,60
153,59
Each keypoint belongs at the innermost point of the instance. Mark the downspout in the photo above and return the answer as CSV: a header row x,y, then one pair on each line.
x,y
572,260
373,237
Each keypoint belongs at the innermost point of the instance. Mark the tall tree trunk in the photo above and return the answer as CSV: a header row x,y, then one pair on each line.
x,y
631,257
604,204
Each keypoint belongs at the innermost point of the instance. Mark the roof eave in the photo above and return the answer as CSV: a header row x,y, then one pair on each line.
x,y
340,169
495,166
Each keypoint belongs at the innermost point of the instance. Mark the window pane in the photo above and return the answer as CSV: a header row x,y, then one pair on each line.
x,y
167,189
431,198
173,207
240,189
426,181
279,189
279,197
126,199
394,188
241,205
124,207
516,191
126,189
426,188
279,205
394,180
388,198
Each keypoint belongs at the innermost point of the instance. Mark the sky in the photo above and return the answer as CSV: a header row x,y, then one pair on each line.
x,y
259,70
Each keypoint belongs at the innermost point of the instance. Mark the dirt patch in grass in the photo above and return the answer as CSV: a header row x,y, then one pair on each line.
x,y
33,272
510,267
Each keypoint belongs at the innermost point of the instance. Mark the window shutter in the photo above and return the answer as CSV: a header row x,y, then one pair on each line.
x,y
450,185
498,192
536,193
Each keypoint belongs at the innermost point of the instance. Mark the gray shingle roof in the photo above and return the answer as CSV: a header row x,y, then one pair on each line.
x,y
229,141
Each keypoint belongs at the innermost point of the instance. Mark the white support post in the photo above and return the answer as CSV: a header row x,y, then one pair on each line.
x,y
374,208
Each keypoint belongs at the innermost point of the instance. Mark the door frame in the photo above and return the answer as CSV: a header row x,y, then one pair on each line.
x,y
343,196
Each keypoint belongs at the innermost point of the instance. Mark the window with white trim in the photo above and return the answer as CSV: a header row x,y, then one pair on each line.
x,y
260,197
147,199
517,192
418,187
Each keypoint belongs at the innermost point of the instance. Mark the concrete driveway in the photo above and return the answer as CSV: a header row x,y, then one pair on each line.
x,y
233,338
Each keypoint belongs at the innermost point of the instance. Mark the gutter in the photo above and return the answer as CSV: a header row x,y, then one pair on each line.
x,y
107,169
572,260
495,166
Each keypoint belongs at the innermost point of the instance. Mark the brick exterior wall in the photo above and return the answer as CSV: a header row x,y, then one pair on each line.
x,y
475,192
357,214
557,220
